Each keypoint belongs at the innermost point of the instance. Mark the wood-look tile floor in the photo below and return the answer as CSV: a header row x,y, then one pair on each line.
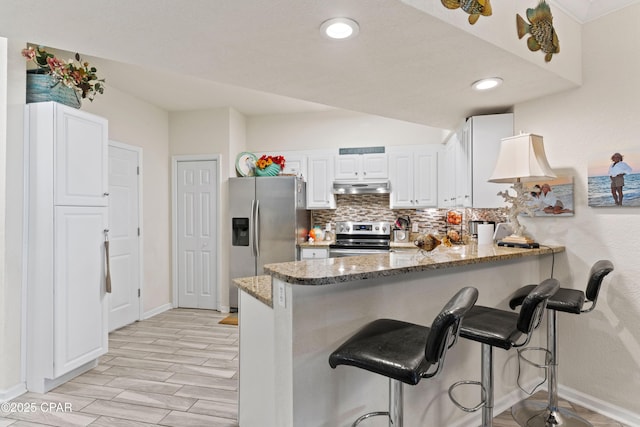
x,y
177,369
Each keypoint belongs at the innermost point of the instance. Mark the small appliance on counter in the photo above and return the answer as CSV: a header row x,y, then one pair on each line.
x,y
401,230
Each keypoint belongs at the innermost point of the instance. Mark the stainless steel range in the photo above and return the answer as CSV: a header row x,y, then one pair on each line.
x,y
360,238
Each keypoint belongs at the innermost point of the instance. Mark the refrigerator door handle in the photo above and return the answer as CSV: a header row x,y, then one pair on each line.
x,y
252,227
256,240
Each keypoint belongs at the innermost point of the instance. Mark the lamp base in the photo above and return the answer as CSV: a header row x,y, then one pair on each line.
x,y
518,242
533,245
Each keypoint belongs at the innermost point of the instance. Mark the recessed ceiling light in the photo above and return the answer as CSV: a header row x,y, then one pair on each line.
x,y
340,28
486,84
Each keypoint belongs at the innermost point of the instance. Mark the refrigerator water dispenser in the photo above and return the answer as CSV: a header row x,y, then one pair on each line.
x,y
240,232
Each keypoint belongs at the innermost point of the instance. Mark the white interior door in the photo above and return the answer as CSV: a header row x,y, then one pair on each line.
x,y
124,247
197,195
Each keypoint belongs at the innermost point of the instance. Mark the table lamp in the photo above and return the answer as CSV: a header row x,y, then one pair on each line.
x,y
521,159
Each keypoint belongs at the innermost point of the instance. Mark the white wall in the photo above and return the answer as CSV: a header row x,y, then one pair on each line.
x,y
11,199
600,351
334,129
135,122
219,131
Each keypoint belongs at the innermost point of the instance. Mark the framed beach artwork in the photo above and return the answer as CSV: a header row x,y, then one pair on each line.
x,y
614,178
551,197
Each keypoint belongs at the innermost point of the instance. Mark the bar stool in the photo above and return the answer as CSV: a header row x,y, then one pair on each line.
x,y
532,413
404,352
493,327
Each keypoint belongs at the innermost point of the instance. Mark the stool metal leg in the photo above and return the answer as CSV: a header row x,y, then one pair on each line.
x,y
396,409
539,414
487,384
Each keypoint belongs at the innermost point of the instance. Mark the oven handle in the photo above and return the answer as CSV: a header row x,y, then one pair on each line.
x,y
336,252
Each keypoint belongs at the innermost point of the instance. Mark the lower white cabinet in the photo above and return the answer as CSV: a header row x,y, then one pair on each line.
x,y
314,253
79,317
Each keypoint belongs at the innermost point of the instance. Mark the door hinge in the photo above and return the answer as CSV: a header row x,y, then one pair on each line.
x,y
138,231
138,292
138,170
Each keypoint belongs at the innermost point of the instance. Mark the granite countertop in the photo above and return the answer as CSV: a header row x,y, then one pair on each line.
x,y
259,287
345,269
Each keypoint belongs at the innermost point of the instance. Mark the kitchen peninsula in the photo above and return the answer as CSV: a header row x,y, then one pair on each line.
x,y
293,318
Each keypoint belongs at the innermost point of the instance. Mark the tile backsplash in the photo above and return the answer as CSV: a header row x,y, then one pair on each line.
x,y
375,207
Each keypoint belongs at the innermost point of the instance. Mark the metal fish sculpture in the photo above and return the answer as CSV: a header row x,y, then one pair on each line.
x,y
540,26
474,8
427,242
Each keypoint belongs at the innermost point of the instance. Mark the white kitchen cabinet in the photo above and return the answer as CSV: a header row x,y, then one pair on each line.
x,y
350,167
320,182
67,328
468,161
414,178
314,253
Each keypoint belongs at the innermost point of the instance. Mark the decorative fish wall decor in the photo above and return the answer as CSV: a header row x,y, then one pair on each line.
x,y
474,8
540,26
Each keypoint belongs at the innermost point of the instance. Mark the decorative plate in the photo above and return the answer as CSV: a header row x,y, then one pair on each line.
x,y
246,163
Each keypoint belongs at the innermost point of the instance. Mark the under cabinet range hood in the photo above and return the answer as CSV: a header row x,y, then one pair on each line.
x,y
361,187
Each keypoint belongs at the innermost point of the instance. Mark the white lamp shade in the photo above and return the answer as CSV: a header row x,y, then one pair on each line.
x,y
522,158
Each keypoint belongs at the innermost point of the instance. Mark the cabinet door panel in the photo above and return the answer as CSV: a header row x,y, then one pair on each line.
x,y
348,166
375,166
81,177
320,183
401,176
426,180
80,321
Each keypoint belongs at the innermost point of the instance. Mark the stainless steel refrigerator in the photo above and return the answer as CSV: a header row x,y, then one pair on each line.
x,y
268,219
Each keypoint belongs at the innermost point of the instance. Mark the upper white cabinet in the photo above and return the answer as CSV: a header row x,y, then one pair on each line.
x,y
350,167
468,161
414,178
320,182
80,167
67,328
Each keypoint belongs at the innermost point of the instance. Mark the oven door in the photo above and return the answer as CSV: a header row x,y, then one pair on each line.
x,y
342,252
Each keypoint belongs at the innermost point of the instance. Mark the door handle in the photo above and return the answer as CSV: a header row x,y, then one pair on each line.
x,y
252,227
257,228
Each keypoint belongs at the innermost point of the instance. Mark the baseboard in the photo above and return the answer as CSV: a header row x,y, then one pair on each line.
x,y
13,392
614,412
161,309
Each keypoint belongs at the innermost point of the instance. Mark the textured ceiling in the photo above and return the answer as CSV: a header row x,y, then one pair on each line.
x,y
266,57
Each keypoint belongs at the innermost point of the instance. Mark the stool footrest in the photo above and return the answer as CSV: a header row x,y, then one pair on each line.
x,y
467,408
369,415
547,358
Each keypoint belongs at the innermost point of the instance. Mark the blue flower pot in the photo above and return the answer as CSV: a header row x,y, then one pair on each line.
x,y
44,88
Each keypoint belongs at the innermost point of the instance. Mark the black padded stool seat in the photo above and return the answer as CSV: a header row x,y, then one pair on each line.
x,y
387,347
404,352
493,327
541,414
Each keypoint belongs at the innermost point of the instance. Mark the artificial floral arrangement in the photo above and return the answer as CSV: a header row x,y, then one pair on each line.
x,y
73,74
269,165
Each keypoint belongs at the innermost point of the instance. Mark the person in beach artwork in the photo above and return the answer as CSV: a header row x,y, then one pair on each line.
x,y
617,171
550,203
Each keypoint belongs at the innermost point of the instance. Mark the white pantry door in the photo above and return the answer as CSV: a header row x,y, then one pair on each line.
x,y
124,223
197,195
